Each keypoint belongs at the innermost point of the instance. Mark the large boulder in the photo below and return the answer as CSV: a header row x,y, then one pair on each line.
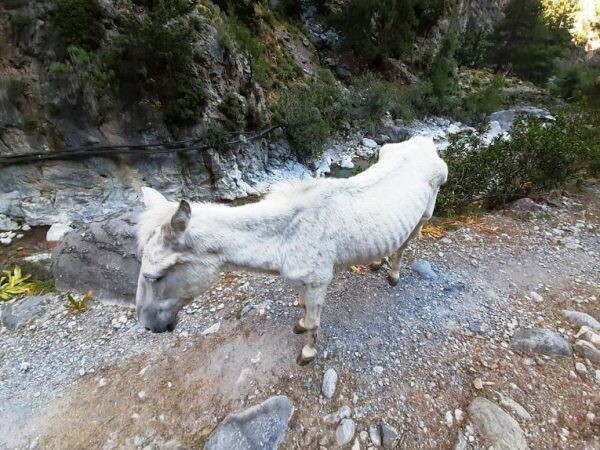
x,y
100,256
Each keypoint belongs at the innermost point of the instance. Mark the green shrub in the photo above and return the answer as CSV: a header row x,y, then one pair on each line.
x,y
60,68
481,103
78,22
310,114
386,27
152,58
232,108
16,90
578,83
538,157
18,21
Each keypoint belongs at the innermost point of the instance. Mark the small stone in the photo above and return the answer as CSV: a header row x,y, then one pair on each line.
x,y
81,372
580,367
459,415
345,432
449,418
515,407
57,232
364,435
102,382
375,435
498,428
329,383
142,395
587,350
424,269
25,227
581,319
542,341
590,417
477,383
356,445
536,297
214,328
378,370
24,366
389,435
343,413
589,335
369,143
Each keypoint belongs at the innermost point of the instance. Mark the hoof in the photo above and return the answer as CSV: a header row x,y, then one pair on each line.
x,y
393,280
375,266
299,329
303,361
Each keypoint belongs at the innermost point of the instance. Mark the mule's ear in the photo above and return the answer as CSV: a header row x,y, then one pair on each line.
x,y
152,197
181,218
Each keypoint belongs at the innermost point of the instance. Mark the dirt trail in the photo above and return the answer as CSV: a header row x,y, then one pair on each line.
x,y
406,354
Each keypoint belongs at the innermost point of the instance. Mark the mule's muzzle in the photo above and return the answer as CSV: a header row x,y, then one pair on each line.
x,y
162,328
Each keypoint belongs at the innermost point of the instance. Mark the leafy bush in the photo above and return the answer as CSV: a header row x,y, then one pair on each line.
x,y
483,102
78,304
18,21
310,113
578,83
528,42
16,90
386,27
538,157
14,283
152,58
78,22
60,68
232,108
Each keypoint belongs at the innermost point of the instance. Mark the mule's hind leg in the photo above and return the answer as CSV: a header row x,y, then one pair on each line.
x,y
376,265
394,273
300,327
314,299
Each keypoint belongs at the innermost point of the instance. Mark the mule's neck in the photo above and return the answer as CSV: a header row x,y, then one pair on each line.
x,y
248,236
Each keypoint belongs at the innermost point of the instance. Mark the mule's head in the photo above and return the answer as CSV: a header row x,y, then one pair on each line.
x,y
175,268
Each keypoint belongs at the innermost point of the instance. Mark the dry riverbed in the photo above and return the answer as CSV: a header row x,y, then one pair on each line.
x,y
414,356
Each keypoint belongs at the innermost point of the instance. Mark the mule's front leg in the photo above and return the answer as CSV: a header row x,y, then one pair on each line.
x,y
314,299
300,327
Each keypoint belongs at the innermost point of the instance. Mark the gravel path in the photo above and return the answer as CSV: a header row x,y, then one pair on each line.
x,y
414,355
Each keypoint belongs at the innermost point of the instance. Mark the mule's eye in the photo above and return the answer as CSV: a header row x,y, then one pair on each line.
x,y
152,277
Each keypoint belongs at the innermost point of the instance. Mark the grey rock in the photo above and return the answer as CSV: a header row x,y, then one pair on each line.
x,y
7,224
345,432
506,118
497,427
329,383
537,340
587,350
581,319
262,426
525,205
389,435
343,413
57,232
375,434
424,269
369,143
101,257
515,407
20,314
343,73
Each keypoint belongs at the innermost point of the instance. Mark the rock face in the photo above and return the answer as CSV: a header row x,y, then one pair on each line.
x,y
101,257
260,427
498,428
545,342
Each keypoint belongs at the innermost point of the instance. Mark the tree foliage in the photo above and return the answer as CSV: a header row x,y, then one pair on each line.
x,y
528,41
386,27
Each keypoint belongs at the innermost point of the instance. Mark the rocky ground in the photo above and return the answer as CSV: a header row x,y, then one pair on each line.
x,y
443,360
